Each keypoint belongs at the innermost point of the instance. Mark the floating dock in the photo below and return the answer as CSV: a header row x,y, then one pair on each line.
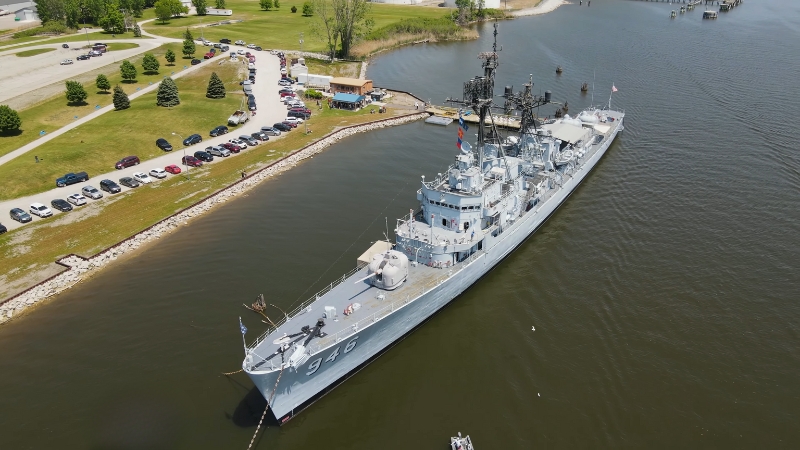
x,y
446,112
436,120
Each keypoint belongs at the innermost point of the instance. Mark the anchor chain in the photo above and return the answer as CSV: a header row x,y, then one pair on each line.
x,y
264,414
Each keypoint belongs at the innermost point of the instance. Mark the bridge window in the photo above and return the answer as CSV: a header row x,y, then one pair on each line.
x,y
444,222
466,226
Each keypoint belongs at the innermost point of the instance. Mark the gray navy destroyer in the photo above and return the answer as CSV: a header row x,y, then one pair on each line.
x,y
469,218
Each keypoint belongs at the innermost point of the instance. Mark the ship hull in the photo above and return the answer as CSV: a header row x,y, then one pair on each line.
x,y
297,388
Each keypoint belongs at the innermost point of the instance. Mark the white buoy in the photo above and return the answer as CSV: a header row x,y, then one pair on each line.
x,y
533,328
538,394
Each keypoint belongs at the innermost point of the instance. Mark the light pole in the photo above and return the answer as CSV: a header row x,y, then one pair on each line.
x,y
188,176
301,42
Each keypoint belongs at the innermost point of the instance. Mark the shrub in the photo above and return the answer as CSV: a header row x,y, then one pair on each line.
x,y
308,9
312,93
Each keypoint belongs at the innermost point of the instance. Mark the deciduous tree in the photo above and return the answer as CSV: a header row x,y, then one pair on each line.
x,y
9,120
120,99
102,83
220,4
201,7
277,4
189,48
266,5
76,94
163,11
150,63
113,21
170,57
167,94
308,9
325,26
127,70
216,88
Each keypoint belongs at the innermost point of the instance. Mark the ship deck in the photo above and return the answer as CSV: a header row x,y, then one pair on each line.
x,y
375,304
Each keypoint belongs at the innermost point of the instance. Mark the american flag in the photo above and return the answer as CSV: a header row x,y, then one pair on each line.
x,y
242,328
614,88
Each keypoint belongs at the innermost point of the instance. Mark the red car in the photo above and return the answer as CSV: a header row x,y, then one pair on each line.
x,y
191,161
287,94
232,147
290,124
173,169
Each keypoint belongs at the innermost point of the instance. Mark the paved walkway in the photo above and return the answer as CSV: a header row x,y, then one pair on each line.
x,y
271,110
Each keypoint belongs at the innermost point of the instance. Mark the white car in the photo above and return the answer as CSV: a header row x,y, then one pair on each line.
x,y
92,192
239,42
66,62
251,46
296,120
158,173
142,177
239,142
77,199
240,51
40,210
207,43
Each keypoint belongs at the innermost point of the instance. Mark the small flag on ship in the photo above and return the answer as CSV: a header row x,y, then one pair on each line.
x,y
242,327
462,123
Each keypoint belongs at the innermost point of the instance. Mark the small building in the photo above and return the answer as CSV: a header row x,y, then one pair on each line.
x,y
351,86
347,101
298,70
309,80
27,14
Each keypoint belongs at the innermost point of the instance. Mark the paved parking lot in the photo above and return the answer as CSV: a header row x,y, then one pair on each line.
x,y
270,110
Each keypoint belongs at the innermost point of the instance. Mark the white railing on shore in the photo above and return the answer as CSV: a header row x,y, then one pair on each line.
x,y
300,309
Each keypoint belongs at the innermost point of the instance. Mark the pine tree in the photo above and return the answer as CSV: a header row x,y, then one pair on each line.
x,y
102,83
216,88
137,31
187,35
120,99
170,57
150,63
188,47
127,70
75,92
167,94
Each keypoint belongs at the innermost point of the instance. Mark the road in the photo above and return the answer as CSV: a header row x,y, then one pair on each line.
x,y
270,110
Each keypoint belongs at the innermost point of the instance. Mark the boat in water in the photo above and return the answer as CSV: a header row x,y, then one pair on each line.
x,y
469,218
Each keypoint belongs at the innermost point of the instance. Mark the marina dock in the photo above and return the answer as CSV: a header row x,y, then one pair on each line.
x,y
447,112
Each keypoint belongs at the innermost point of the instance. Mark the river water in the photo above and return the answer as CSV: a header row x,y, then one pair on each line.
x,y
664,293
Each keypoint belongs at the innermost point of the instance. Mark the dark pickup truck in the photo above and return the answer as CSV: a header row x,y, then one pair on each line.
x,y
71,178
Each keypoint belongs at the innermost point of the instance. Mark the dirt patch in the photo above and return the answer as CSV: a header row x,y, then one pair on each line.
x,y
10,288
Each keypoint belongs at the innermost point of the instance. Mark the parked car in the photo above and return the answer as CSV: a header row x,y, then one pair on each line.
x,y
301,109
253,46
282,127
203,156
61,205
196,61
128,182
239,42
261,136
3,228
84,57
224,41
224,48
159,173
299,115
290,124
92,192
163,144
77,199
287,94
216,150
66,62
127,161
64,46
217,45
20,216
249,140
173,169
233,148
110,187
272,131
40,210
284,83
71,178
193,139
239,142
142,178
258,49
240,52
219,131
191,161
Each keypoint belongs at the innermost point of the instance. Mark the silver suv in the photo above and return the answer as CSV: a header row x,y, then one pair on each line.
x,y
218,151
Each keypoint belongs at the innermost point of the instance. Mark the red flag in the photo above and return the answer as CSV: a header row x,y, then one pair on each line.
x,y
460,133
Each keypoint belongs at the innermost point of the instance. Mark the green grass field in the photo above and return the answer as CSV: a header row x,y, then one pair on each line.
x,y
34,52
95,146
55,113
47,240
277,28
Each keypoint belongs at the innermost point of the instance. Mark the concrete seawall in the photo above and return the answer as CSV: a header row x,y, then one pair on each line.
x,y
79,268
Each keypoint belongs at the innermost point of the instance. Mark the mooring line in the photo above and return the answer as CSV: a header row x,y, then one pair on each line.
x,y
264,414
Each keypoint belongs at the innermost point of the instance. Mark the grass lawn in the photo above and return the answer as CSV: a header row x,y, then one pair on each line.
x,y
277,28
94,147
336,69
95,36
34,52
46,240
55,113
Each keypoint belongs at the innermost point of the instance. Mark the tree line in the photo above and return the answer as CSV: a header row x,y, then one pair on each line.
x,y
75,13
340,23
